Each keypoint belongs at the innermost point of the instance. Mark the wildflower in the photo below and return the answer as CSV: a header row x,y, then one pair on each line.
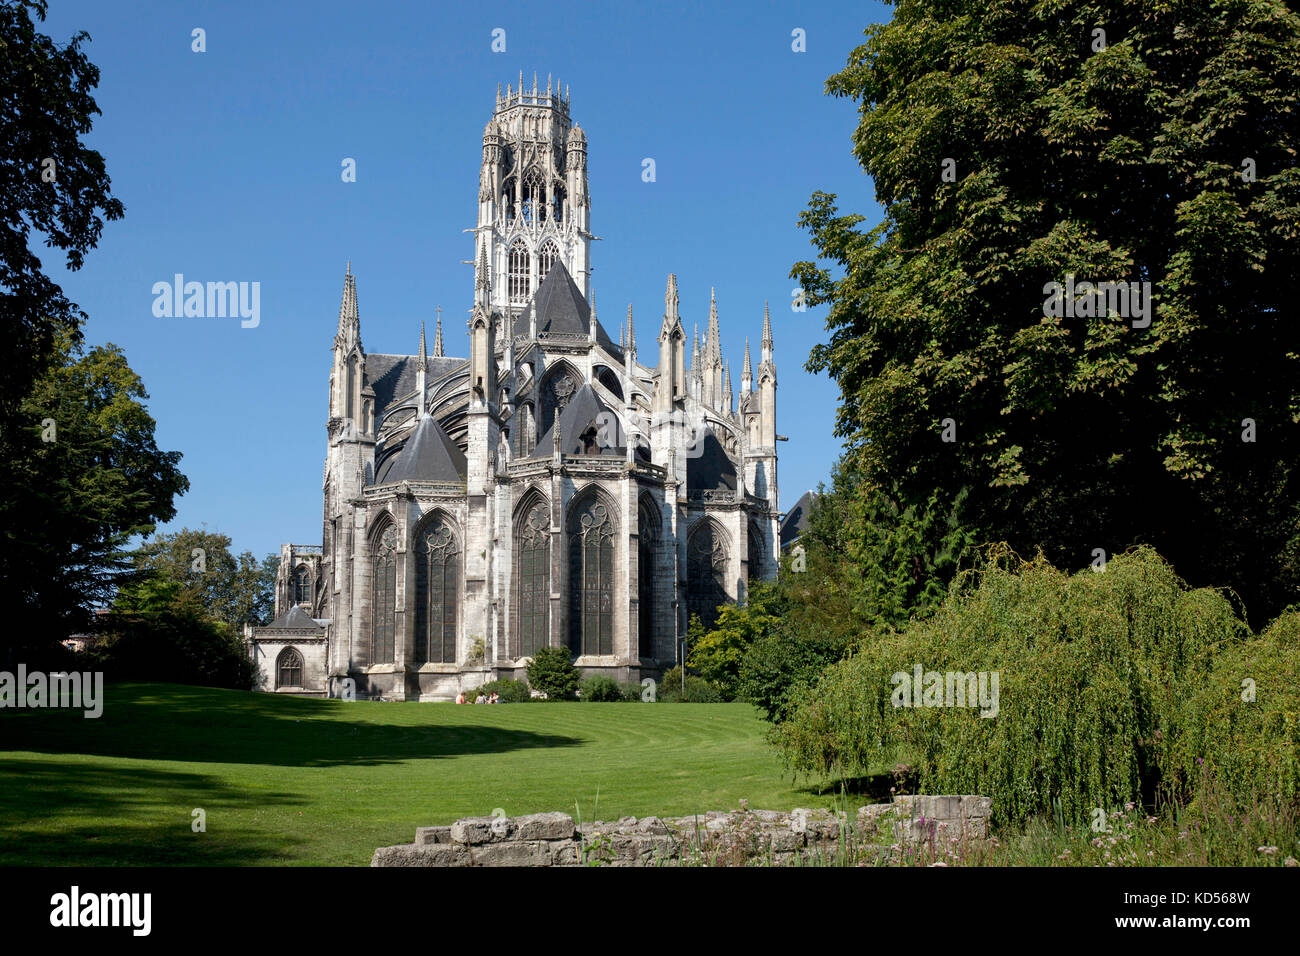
x,y
1063,856
1291,861
1128,806
939,863
1268,850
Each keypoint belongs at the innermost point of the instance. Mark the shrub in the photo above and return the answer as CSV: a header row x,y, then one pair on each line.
x,y
601,688
633,691
1242,721
178,645
551,671
777,665
508,691
1102,681
698,690
717,654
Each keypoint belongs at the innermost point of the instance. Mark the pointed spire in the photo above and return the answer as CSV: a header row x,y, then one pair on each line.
x,y
747,372
714,356
695,350
726,388
534,83
420,376
631,332
548,86
484,278
767,334
437,336
670,297
349,321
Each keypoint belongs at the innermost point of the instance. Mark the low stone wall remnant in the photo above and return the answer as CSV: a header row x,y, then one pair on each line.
x,y
718,838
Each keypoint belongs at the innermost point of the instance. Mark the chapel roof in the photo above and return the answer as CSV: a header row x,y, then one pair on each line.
x,y
427,455
583,411
561,308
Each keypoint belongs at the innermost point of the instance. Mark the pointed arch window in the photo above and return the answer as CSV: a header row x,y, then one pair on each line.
x,y
533,581
437,592
647,540
550,253
522,436
534,197
302,586
706,572
518,273
508,198
383,626
349,403
755,552
288,668
591,579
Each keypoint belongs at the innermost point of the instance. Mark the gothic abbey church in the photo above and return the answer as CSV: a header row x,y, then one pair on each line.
x,y
548,489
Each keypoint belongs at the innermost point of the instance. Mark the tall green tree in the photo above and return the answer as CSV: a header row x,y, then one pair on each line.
x,y
51,186
1013,145
94,479
235,589
53,189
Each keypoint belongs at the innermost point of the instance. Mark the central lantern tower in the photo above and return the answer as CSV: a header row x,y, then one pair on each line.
x,y
533,204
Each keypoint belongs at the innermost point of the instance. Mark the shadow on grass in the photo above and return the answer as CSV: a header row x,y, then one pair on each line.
x,y
62,814
875,786
204,725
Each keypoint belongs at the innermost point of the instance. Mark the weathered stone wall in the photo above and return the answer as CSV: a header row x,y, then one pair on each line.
x,y
739,837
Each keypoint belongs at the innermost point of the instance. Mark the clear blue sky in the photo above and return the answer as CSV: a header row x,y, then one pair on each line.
x,y
228,163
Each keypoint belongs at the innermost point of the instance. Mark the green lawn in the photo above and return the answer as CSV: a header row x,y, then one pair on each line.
x,y
325,782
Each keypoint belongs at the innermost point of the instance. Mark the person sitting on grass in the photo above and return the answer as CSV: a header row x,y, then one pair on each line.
x,y
480,699
460,698
494,699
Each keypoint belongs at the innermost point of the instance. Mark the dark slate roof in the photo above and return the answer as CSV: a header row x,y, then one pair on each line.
x,y
712,469
427,455
582,411
561,308
295,617
392,376
795,522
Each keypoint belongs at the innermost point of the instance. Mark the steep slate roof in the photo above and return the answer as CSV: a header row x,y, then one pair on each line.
x,y
795,522
561,308
428,455
392,376
583,409
295,617
712,469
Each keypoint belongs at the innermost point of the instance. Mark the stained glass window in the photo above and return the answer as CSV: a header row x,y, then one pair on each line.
x,y
591,579
382,646
437,592
533,581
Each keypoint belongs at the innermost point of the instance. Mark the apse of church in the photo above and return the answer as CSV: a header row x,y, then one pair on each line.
x,y
545,489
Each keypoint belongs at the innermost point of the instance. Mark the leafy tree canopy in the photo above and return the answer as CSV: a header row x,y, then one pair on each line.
x,y
235,589
1013,145
94,478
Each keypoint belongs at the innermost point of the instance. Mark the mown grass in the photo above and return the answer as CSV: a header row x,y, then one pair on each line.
x,y
286,781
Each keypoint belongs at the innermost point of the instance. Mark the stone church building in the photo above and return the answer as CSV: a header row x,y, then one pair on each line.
x,y
548,488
